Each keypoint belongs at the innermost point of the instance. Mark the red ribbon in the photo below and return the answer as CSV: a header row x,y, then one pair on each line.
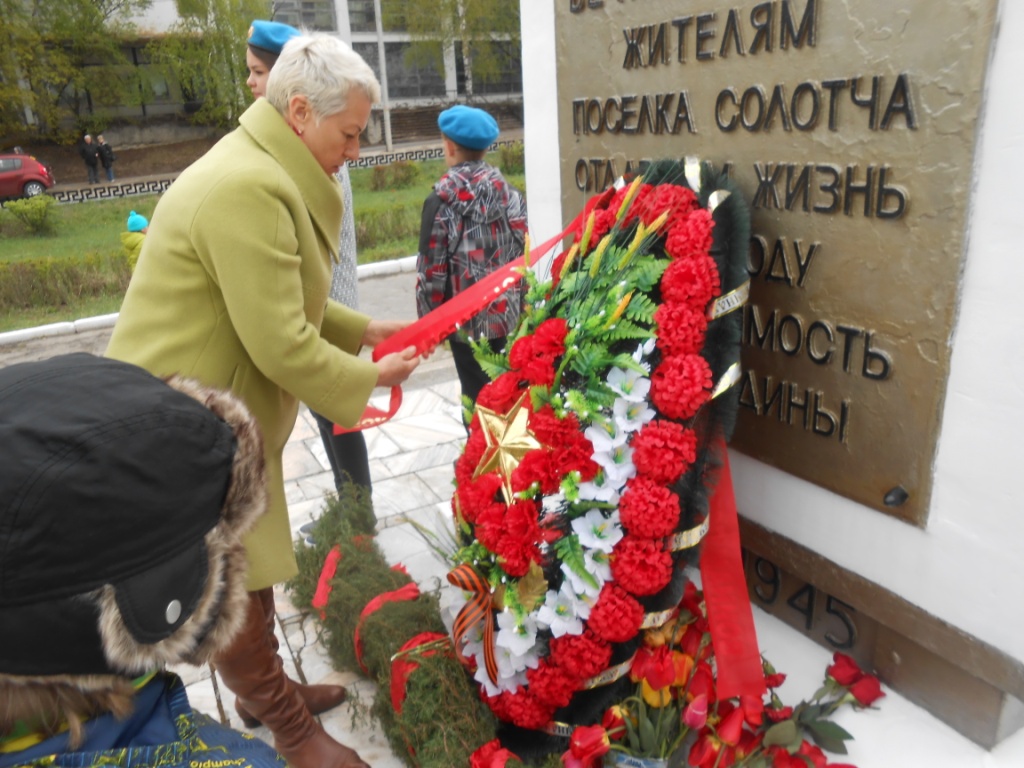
x,y
402,667
323,584
406,593
431,329
478,608
730,618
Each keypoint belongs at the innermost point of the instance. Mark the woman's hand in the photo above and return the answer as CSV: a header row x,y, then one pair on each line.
x,y
378,330
395,368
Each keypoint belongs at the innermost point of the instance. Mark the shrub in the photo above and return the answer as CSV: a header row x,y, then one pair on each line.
x,y
513,159
53,282
397,175
381,225
34,213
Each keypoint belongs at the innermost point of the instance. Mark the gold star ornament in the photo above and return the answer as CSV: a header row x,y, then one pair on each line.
x,y
508,439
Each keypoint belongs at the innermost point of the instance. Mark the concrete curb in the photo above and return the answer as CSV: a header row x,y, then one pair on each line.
x,y
364,272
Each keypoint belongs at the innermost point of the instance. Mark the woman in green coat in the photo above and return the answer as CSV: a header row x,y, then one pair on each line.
x,y
234,292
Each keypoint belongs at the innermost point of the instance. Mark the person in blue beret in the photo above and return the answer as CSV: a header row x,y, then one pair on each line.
x,y
264,44
473,222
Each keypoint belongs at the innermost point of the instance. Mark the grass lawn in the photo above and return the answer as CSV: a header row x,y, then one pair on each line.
x,y
387,224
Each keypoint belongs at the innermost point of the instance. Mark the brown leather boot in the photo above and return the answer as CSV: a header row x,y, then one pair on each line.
x,y
255,673
318,698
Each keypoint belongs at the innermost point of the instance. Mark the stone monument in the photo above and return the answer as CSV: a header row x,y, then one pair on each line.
x,y
879,404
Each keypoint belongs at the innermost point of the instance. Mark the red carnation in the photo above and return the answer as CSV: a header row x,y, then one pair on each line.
x,y
476,496
641,566
648,509
581,656
501,394
471,455
690,235
678,201
616,617
681,385
521,708
636,207
534,356
551,685
663,451
681,328
576,454
551,430
536,467
693,281
489,524
520,535
604,218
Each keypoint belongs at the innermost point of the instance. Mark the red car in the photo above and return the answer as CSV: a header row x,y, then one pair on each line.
x,y
23,176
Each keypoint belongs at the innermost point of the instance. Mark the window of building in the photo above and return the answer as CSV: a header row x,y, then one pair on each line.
x,y
360,16
317,15
406,79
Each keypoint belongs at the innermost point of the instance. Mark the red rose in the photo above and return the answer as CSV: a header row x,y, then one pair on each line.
x,y
778,714
642,566
867,690
844,669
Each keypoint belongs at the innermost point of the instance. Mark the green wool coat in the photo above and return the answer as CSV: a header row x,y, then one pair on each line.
x,y
233,292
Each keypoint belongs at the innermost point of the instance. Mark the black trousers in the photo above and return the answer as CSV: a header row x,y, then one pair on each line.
x,y
471,376
346,453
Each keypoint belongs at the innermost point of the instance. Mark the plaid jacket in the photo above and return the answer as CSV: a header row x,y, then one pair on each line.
x,y
473,222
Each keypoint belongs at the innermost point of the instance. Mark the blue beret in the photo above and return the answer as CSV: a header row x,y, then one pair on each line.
x,y
469,127
271,35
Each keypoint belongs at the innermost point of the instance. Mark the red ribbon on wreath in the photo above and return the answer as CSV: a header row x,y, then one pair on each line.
x,y
323,584
406,593
730,619
402,667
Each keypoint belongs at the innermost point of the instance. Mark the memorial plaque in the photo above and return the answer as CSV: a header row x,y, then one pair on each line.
x,y
850,125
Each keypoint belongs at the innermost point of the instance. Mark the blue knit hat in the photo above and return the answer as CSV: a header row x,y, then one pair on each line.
x,y
137,222
468,127
271,35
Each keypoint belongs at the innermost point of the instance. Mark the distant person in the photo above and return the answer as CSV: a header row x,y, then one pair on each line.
x,y
90,153
107,157
234,293
124,503
131,241
473,222
347,452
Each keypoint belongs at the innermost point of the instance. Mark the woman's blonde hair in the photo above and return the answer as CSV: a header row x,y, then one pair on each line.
x,y
322,68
